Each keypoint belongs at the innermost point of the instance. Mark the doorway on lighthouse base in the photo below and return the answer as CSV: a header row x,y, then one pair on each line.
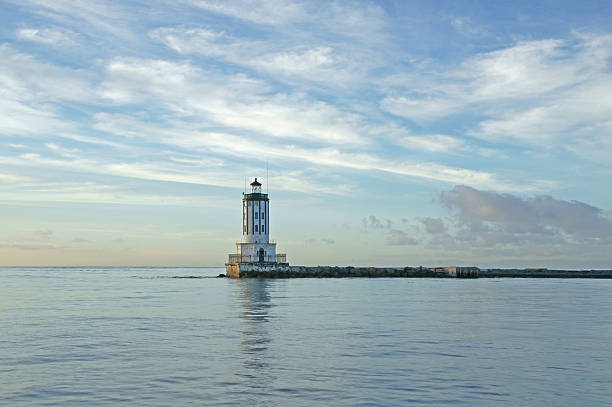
x,y
262,254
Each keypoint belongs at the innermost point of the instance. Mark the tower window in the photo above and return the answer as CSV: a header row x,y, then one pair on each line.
x,y
255,228
263,215
256,213
263,228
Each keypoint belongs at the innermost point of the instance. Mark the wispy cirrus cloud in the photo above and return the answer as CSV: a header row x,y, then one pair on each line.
x,y
33,92
315,60
536,93
526,71
174,171
39,239
340,18
54,37
232,101
337,45
273,12
194,101
435,143
243,147
20,119
87,15
12,178
579,115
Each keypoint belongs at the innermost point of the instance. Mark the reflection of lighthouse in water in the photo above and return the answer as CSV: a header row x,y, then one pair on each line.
x,y
255,301
255,246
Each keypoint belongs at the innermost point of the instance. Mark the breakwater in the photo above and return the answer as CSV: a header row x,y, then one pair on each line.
x,y
283,270
544,273
271,270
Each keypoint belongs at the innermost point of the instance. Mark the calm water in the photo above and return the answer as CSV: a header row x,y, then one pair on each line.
x,y
139,337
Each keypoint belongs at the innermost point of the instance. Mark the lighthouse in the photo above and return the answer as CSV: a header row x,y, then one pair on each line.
x,y
255,246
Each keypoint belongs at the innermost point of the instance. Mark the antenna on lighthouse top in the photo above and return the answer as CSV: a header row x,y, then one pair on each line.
x,y
267,179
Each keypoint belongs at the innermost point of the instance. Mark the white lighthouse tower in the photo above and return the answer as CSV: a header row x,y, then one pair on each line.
x,y
255,246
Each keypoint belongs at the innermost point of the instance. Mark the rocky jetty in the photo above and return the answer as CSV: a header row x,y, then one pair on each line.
x,y
284,270
256,270
544,273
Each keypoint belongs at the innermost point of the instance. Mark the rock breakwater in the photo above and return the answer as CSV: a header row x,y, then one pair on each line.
x,y
255,270
283,270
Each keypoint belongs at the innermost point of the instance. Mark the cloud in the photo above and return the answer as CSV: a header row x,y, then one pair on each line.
x,y
198,40
435,143
241,105
192,101
40,239
340,19
43,234
240,146
197,172
419,108
572,221
303,43
62,151
394,237
233,101
530,68
116,195
31,246
256,11
284,61
492,152
32,91
99,16
80,240
372,222
486,227
20,119
298,61
467,27
540,93
400,238
579,114
434,226
12,178
54,37
527,70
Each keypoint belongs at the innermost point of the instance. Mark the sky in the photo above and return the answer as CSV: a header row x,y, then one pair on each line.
x,y
387,133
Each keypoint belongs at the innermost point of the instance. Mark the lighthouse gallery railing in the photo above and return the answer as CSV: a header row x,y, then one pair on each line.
x,y
237,258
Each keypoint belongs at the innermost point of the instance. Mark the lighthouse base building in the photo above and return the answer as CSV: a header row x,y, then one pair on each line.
x,y
255,251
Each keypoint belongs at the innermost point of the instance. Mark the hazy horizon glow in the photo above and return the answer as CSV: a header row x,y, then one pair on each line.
x,y
393,132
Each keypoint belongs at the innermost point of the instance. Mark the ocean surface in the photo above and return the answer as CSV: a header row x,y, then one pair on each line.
x,y
180,337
